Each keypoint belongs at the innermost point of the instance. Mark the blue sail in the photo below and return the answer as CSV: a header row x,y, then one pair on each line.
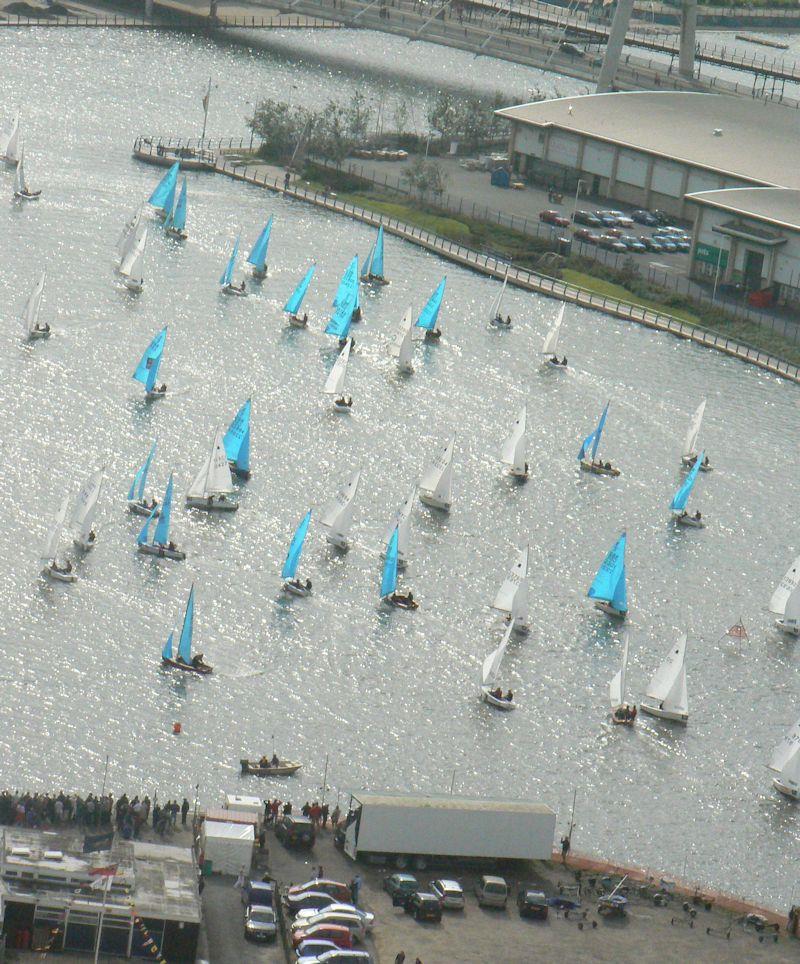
x,y
293,304
165,187
366,264
140,479
609,583
235,436
342,318
147,369
376,268
161,535
185,644
348,284
166,652
295,548
243,458
429,314
389,581
585,445
227,274
169,200
144,535
682,495
599,430
258,256
177,219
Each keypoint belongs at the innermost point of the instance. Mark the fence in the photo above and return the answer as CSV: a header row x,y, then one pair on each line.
x,y
282,22
498,268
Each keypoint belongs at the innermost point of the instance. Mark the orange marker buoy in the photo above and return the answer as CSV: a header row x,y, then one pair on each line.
x,y
176,728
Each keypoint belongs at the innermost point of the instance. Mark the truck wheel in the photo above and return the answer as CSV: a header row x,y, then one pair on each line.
x,y
401,861
420,863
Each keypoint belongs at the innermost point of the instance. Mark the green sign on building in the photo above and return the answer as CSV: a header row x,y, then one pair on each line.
x,y
711,255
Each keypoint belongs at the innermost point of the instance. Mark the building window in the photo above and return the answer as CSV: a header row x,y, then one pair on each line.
x,y
81,933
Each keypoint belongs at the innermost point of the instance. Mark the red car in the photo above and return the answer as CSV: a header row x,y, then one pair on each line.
x,y
322,885
553,217
340,936
585,235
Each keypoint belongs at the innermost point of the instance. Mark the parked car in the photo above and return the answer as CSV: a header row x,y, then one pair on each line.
x,y
610,243
400,885
313,948
587,218
668,246
449,892
661,216
423,906
584,235
338,935
532,903
365,915
606,218
311,900
260,892
323,886
353,922
259,923
342,957
632,243
670,229
623,220
568,48
644,217
295,831
554,218
651,244
491,891
682,244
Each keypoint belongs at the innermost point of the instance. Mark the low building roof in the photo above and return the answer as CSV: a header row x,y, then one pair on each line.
x,y
773,205
757,140
447,802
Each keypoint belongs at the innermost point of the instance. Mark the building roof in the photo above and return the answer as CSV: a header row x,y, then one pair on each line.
x,y
447,802
773,205
758,140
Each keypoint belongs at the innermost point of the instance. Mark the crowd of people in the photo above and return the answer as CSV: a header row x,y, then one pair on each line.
x,y
317,813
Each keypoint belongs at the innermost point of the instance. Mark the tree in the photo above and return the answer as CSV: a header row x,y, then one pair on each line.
x,y
442,114
279,126
358,117
401,116
330,138
425,177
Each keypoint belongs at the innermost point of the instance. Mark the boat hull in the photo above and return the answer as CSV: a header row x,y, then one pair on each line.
x,y
598,469
498,704
609,610
177,235
664,714
785,789
788,626
687,462
557,365
434,335
338,542
619,718
284,769
85,544
27,195
138,508
234,292
518,476
258,274
375,279
429,499
296,322
39,333
59,576
400,603
211,504
499,325
162,552
202,670
295,588
151,396
689,521
342,407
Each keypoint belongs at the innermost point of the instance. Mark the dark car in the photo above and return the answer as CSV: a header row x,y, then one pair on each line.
x,y
585,236
587,218
661,216
606,217
423,906
295,831
644,217
532,903
632,243
566,47
668,246
610,243
651,244
554,218
260,892
399,886
259,924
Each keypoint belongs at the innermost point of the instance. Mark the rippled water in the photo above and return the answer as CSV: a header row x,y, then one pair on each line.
x,y
390,697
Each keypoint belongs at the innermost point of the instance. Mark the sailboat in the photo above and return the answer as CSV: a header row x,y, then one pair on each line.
x,y
681,497
161,545
30,314
292,306
164,192
237,442
790,621
175,223
147,369
226,280
334,384
132,265
550,346
496,319
64,572
184,659
622,713
593,464
668,687
21,190
389,594
372,270
403,347
402,522
490,671
512,596
291,583
785,588
258,256
608,589
689,456
338,515
346,299
213,483
9,142
137,500
512,454
436,484
786,763
430,313
130,236
85,510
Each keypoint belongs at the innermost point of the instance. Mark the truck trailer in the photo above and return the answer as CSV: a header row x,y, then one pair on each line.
x,y
407,830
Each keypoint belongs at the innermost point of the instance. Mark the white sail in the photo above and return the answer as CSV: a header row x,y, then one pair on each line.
x,y
785,749
335,381
214,478
791,614
785,588
616,689
86,505
668,685
693,432
551,338
513,452
338,515
515,581
491,665
54,535
402,522
19,174
403,347
130,236
9,142
30,314
790,771
132,264
494,311
437,479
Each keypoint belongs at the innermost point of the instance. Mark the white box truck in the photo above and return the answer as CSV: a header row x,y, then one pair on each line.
x,y
407,830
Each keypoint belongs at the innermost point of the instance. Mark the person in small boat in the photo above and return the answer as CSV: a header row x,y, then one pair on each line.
x,y
45,328
497,694
162,388
509,697
197,660
607,466
508,320
240,286
554,360
264,761
274,762
564,362
308,585
305,317
706,463
357,314
171,546
697,517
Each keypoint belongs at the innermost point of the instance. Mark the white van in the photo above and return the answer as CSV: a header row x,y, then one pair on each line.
x,y
491,892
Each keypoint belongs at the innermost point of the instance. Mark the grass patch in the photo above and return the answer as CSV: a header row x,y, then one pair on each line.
x,y
610,290
443,225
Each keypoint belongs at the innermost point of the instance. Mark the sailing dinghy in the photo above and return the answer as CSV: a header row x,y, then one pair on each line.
x,y
681,497
292,306
30,314
184,659
85,511
164,192
137,500
785,588
389,594
237,442
786,763
213,483
496,319
608,589
52,568
131,233
257,258
403,347
430,313
790,621
175,223
689,456
372,270
667,689
226,280
334,384
292,584
490,692
436,484
550,346
512,454
338,515
512,596
402,522
132,265
21,190
147,369
161,545
622,713
9,142
590,462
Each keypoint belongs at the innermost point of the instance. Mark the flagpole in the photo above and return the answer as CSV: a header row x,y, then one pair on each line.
x,y
206,100
106,886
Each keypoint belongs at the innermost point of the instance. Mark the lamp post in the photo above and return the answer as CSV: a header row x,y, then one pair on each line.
x,y
577,192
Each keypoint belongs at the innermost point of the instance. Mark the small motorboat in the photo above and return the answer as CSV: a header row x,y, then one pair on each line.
x,y
142,507
695,521
498,702
343,404
285,768
297,588
169,551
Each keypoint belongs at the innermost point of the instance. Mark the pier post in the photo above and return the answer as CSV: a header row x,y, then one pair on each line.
x,y
688,42
616,41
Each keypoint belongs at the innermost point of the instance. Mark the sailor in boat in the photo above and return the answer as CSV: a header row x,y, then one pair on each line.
x,y
275,761
299,584
344,401
45,330
625,713
357,314
64,570
264,762
705,466
403,599
343,341
694,518
433,334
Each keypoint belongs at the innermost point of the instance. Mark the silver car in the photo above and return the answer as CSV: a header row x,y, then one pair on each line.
x,y
449,892
365,915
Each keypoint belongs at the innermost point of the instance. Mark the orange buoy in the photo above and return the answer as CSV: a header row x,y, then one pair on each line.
x,y
176,728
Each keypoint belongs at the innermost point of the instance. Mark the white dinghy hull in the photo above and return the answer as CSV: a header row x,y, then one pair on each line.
x,y
785,789
431,500
162,552
59,576
790,626
295,588
139,508
673,715
211,504
499,704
